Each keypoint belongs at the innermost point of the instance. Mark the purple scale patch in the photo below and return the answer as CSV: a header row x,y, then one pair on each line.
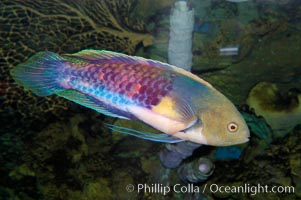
x,y
148,101
122,85
142,89
149,90
135,96
157,84
122,92
128,86
108,69
155,101
163,93
141,98
105,77
137,81
157,94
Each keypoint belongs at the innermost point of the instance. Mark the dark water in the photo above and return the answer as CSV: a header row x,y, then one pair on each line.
x,y
51,148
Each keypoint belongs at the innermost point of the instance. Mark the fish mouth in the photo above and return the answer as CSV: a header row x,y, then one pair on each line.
x,y
246,140
235,142
241,141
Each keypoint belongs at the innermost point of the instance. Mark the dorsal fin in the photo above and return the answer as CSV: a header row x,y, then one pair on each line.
x,y
99,55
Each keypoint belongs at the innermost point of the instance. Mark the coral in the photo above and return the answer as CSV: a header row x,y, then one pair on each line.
x,y
51,140
150,164
295,164
63,27
59,152
277,165
282,113
224,153
173,154
196,171
21,171
258,126
72,26
266,44
146,8
94,189
132,125
51,191
97,189
66,160
120,179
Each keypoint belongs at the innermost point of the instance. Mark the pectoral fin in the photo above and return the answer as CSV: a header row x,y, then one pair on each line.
x,y
169,116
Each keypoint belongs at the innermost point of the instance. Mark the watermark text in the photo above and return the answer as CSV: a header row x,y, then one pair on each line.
x,y
212,188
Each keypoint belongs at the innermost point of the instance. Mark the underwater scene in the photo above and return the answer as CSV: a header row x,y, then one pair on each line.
x,y
150,99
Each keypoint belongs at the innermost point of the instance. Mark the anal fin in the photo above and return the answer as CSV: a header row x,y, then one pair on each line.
x,y
144,135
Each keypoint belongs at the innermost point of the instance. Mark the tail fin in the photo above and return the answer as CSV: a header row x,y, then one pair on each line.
x,y
40,73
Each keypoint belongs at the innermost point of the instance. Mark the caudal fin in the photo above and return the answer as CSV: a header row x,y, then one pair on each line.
x,y
40,73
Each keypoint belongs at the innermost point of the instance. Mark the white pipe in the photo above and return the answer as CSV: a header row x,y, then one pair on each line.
x,y
180,37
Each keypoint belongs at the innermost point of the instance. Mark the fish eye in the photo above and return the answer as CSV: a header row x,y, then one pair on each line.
x,y
232,127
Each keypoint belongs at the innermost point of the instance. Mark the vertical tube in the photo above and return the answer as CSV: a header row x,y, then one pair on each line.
x,y
180,37
180,55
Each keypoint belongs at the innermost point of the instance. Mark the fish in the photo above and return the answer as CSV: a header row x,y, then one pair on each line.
x,y
179,104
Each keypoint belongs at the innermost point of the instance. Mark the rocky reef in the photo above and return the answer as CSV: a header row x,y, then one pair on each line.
x,y
277,165
281,111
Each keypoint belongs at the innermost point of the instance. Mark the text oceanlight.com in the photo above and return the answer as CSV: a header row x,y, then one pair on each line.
x,y
212,188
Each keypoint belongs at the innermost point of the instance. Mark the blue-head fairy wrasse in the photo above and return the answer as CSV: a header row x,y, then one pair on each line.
x,y
171,100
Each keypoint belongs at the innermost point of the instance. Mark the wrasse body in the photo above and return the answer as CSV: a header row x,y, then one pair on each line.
x,y
176,102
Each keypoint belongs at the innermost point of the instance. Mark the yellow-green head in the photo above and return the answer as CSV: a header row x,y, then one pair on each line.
x,y
223,125
219,122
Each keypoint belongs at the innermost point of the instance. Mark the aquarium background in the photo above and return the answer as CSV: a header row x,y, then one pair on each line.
x,y
51,148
